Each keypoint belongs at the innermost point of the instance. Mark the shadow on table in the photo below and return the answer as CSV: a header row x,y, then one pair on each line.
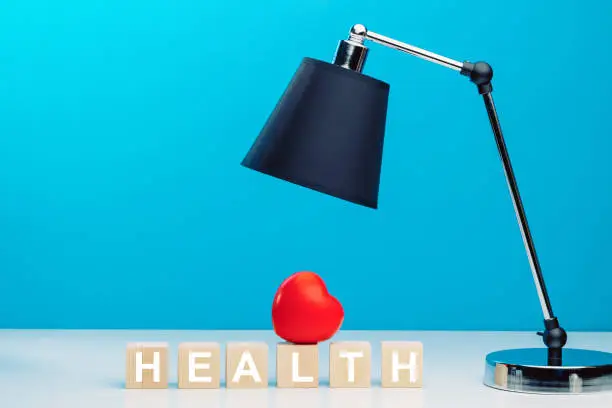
x,y
10,364
273,396
174,385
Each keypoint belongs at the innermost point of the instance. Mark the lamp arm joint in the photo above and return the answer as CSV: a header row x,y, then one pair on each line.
x,y
480,73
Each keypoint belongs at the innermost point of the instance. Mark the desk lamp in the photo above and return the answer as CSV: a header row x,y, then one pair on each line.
x,y
326,133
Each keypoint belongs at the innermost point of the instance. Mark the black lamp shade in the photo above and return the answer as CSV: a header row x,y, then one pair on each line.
x,y
326,133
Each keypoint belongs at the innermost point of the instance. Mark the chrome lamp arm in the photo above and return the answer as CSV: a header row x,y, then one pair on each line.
x,y
352,54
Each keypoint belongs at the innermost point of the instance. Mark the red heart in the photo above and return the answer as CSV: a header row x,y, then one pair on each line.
x,y
304,312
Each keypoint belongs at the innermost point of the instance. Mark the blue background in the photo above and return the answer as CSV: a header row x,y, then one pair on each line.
x,y
123,204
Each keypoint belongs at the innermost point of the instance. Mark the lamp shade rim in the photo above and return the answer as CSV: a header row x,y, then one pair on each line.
x,y
315,187
345,71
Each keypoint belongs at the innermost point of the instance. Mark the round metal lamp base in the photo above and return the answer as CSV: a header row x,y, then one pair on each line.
x,y
527,370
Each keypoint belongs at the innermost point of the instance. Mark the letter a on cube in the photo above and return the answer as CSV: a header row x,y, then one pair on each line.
x,y
147,365
246,365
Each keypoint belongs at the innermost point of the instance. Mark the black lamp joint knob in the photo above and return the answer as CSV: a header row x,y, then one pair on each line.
x,y
480,73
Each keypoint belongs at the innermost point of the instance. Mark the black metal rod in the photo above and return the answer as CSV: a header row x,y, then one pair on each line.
x,y
555,356
518,208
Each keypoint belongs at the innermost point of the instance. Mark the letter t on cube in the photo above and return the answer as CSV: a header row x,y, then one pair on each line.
x,y
350,364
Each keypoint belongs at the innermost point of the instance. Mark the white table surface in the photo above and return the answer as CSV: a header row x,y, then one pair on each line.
x,y
86,369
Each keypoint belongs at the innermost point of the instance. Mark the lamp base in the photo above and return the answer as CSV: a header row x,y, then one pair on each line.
x,y
527,371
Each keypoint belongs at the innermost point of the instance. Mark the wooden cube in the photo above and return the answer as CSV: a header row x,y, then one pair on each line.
x,y
246,365
350,364
199,365
402,364
297,366
147,365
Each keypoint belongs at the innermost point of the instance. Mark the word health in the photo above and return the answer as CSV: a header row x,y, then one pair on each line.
x,y
297,366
